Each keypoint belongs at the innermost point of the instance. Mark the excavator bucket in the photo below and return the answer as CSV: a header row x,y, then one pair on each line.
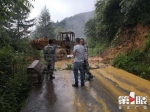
x,y
39,44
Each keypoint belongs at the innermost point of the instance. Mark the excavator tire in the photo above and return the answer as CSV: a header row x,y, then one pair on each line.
x,y
61,54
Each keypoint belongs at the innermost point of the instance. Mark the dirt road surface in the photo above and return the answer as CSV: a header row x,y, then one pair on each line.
x,y
98,95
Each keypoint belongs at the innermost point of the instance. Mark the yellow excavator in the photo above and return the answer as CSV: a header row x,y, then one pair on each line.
x,y
62,50
36,69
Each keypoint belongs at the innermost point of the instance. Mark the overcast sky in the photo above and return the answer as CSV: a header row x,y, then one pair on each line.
x,y
60,9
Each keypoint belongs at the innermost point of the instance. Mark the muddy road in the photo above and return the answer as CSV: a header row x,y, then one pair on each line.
x,y
98,95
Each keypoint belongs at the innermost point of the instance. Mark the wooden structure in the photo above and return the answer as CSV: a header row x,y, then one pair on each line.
x,y
36,71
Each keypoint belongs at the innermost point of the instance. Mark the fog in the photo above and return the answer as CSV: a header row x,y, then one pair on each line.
x,y
60,9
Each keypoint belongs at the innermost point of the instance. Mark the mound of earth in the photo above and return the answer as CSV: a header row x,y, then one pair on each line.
x,y
129,39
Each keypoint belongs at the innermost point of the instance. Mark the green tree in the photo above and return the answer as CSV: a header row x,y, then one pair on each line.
x,y
14,23
44,25
8,7
135,11
109,19
90,28
57,30
14,84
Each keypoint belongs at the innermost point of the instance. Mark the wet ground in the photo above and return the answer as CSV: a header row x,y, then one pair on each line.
x,y
98,95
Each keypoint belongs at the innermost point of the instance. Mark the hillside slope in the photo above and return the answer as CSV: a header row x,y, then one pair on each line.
x,y
130,38
130,51
75,23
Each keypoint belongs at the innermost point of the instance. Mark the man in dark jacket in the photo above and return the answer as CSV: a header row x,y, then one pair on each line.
x,y
86,64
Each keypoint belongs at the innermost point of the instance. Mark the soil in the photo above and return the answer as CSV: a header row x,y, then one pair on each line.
x,y
130,38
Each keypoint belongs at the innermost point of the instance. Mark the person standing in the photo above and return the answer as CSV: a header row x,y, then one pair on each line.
x,y
67,44
86,64
50,57
78,53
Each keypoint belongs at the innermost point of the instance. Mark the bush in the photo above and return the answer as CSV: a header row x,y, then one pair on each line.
x,y
14,93
133,62
14,83
69,67
6,59
120,61
95,46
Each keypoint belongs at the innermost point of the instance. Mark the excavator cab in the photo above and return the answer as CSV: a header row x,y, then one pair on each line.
x,y
63,35
66,40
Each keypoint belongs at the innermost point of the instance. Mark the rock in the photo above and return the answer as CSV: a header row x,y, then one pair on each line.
x,y
94,67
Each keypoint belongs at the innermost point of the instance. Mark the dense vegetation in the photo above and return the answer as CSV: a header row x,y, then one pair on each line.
x,y
135,61
15,54
111,16
114,14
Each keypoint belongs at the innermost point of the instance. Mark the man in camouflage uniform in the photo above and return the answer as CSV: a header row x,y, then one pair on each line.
x,y
50,57
86,64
